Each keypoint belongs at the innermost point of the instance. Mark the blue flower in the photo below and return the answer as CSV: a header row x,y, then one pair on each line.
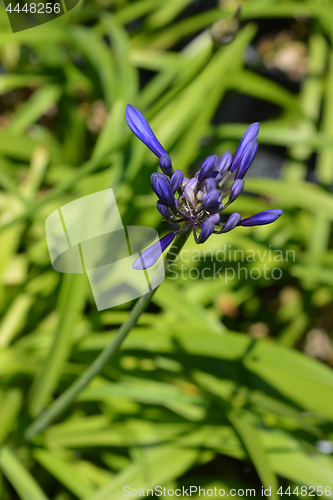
x,y
197,202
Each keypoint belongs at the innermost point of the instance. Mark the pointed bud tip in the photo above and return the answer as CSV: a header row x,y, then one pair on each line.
x,y
148,258
140,127
208,166
166,165
262,218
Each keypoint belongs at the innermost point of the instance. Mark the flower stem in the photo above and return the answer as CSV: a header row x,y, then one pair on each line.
x,y
70,394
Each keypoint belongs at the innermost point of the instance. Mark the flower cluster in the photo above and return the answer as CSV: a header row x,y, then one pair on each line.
x,y
197,202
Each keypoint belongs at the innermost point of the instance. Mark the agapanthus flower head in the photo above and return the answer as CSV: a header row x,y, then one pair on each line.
x,y
196,203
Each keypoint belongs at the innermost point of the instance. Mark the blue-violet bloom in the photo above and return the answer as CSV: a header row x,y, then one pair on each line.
x,y
197,202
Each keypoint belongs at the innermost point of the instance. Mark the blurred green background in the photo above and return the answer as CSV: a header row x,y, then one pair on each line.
x,y
221,384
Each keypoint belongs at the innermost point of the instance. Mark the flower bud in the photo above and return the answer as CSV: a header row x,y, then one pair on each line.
x,y
189,194
215,208
250,151
265,217
176,180
165,165
236,189
232,222
214,219
211,198
192,183
152,254
206,230
210,184
140,127
161,186
250,134
163,210
207,167
224,162
200,195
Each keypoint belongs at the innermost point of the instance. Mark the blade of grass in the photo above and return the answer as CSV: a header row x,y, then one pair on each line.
x,y
22,481
64,472
15,318
87,168
255,450
33,109
10,406
71,302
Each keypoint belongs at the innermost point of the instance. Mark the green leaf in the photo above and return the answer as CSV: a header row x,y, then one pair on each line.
x,y
39,103
149,392
303,380
171,299
65,472
12,81
166,13
255,450
15,318
10,406
22,481
100,57
71,302
279,134
127,77
250,83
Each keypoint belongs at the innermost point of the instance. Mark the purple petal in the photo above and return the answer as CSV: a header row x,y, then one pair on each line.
x,y
176,180
163,210
166,165
189,194
161,186
213,175
265,217
250,134
215,208
236,189
210,184
217,178
207,167
215,219
211,198
192,183
152,254
232,222
140,127
250,151
224,162
206,230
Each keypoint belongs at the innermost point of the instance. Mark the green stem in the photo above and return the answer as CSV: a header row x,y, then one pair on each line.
x,y
70,394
